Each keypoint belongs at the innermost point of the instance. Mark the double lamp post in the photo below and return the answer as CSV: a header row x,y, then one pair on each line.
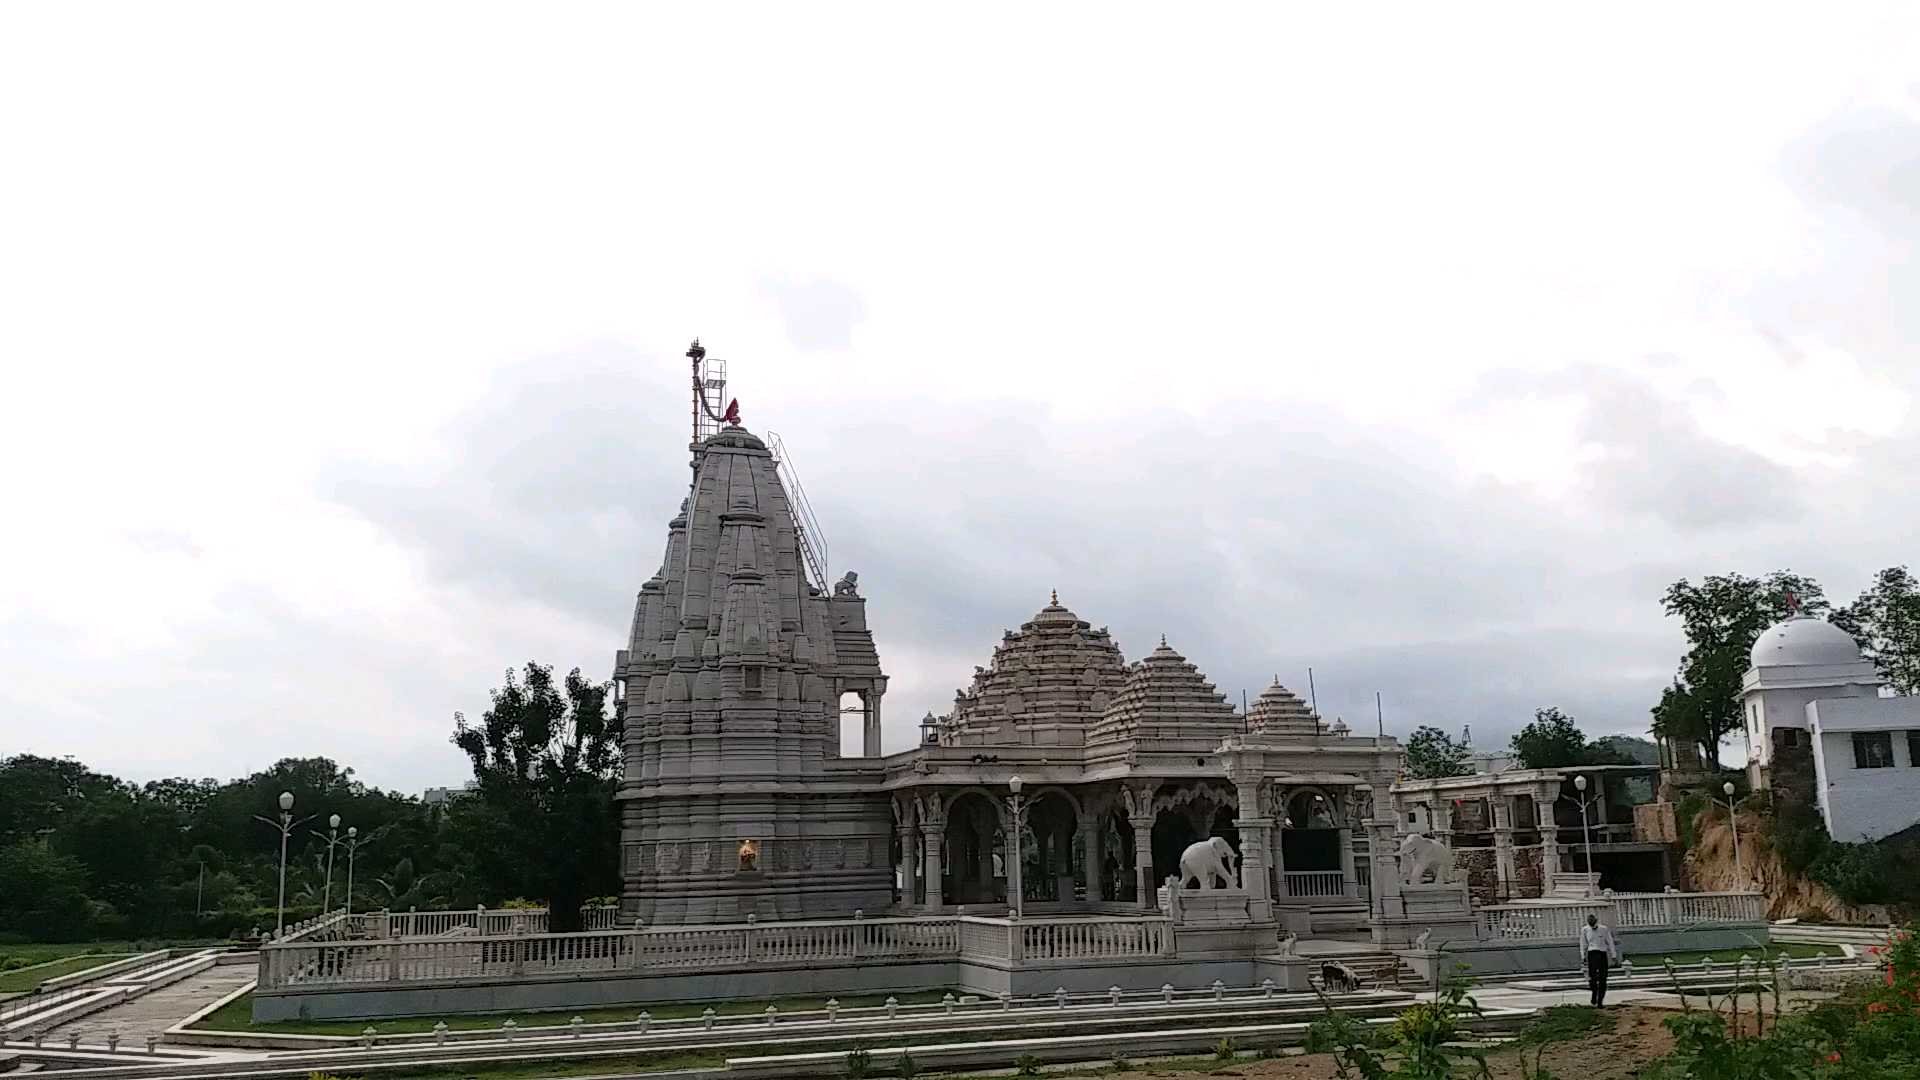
x,y
286,823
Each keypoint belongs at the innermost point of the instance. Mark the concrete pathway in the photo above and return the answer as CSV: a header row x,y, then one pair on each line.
x,y
154,1012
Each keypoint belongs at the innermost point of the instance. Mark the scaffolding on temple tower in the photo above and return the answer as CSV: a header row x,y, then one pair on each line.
x,y
713,409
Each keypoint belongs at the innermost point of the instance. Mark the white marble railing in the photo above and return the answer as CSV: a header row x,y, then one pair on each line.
x,y
323,927
1303,883
480,920
738,946
1537,922
1094,939
1687,909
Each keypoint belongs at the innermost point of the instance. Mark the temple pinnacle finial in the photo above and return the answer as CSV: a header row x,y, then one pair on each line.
x,y
1163,641
1056,596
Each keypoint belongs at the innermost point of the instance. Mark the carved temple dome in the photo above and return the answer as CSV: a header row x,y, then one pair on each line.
x,y
1279,711
1049,682
1166,696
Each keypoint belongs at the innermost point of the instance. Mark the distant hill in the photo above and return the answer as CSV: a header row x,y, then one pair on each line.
x,y
1639,751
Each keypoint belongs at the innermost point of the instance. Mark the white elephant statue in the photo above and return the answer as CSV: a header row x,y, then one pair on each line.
x,y
1420,856
1207,860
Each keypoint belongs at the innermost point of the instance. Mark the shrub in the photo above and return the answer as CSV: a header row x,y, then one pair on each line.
x,y
859,1061
1026,1065
15,963
905,1066
1857,873
1225,1050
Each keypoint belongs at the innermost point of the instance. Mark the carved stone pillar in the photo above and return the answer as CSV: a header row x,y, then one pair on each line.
x,y
1543,799
1502,806
1255,845
1384,849
1277,814
933,826
870,723
1092,855
1349,885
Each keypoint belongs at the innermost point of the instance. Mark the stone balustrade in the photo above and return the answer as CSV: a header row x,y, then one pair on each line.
x,y
1536,922
1687,909
738,946
480,920
1315,883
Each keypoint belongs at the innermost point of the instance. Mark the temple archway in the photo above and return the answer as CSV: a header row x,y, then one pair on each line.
x,y
1310,839
974,863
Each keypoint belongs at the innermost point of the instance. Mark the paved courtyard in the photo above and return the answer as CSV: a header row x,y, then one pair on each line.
x,y
154,1012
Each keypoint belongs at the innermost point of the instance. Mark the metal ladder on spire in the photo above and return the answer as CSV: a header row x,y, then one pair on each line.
x,y
806,528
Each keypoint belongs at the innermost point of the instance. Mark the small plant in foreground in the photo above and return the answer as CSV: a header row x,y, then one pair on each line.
x,y
904,1066
859,1061
1026,1065
1225,1050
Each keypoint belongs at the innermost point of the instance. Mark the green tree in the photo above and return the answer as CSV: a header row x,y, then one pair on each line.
x,y
1551,741
43,894
547,759
1722,616
1885,620
1432,753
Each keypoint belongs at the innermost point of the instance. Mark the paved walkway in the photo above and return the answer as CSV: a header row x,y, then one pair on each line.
x,y
154,1012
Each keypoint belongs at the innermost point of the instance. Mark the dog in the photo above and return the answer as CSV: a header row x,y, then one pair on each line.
x,y
1336,976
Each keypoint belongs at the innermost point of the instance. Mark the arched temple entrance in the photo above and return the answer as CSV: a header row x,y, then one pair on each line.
x,y
1187,816
975,858
1310,839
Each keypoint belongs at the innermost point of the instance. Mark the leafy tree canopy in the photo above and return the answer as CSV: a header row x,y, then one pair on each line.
x,y
1722,616
1885,620
1432,753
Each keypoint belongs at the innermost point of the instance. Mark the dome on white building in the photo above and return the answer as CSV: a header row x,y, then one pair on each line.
x,y
1804,640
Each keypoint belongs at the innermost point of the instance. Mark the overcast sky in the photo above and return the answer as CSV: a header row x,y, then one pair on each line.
x,y
1423,347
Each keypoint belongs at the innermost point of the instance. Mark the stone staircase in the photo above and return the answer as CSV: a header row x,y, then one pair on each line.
x,y
1377,970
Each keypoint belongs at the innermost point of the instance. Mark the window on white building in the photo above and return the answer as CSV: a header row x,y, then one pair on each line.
x,y
1913,748
1873,749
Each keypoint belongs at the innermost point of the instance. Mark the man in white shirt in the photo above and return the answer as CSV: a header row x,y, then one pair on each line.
x,y
1598,949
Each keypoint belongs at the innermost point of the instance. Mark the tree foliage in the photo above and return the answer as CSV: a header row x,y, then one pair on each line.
x,y
1432,753
1552,740
547,759
1722,616
1885,620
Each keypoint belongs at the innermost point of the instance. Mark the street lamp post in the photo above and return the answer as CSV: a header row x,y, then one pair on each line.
x,y
285,824
353,844
1016,883
1733,823
1586,832
333,841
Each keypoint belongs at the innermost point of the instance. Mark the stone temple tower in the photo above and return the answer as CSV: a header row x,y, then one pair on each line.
x,y
735,800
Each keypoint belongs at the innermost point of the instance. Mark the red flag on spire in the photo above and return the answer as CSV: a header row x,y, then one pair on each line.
x,y
1793,603
733,412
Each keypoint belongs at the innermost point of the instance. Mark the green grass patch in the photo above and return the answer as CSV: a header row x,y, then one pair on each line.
x,y
237,1015
25,979
1794,949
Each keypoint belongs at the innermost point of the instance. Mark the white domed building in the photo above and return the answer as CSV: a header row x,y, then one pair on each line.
x,y
1809,686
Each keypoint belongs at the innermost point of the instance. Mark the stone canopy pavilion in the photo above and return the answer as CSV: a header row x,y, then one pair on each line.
x,y
736,799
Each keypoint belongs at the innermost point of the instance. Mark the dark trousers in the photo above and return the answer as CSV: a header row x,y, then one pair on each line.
x,y
1597,976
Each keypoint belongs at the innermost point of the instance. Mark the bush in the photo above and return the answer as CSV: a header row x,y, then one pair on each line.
x,y
1026,1065
1857,873
859,1062
905,1066
1225,1050
15,963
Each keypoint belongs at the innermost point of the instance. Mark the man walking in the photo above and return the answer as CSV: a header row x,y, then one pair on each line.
x,y
1599,949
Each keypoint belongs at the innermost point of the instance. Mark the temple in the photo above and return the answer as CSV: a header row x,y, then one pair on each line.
x,y
737,801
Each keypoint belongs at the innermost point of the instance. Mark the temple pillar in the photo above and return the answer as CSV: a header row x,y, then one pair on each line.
x,y
870,723
1277,814
1349,886
1092,856
1255,843
1502,806
1384,849
904,834
1543,800
932,846
1148,889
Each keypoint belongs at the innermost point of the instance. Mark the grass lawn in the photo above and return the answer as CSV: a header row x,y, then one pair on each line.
x,y
236,1015
1794,949
25,979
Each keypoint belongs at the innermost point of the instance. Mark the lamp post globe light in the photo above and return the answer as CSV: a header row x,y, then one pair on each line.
x,y
1016,829
1586,833
285,824
1733,823
353,844
333,840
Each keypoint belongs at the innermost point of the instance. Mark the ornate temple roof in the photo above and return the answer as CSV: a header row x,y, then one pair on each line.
x,y
1165,696
1279,711
1049,682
